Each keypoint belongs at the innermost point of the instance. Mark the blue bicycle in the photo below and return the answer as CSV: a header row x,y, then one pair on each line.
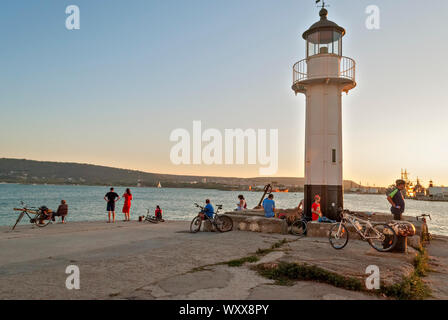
x,y
222,223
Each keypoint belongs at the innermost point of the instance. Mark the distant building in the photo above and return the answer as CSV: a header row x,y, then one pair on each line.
x,y
438,191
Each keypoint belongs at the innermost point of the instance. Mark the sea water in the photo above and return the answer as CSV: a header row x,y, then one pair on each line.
x,y
86,203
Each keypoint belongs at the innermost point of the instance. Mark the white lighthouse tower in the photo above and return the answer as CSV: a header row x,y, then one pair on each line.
x,y
322,77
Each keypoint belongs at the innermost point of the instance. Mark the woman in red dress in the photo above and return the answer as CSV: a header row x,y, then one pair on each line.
x,y
127,196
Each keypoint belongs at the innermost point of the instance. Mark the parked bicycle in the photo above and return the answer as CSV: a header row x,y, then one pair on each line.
x,y
222,223
41,217
380,236
299,227
426,236
152,218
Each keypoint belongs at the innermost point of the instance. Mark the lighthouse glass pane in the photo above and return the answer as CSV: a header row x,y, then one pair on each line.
x,y
326,42
313,48
337,43
313,44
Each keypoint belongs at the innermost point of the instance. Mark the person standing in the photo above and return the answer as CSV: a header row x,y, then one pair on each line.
x,y
111,198
396,199
269,206
127,196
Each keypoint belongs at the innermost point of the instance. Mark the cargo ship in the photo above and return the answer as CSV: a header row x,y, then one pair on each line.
x,y
417,191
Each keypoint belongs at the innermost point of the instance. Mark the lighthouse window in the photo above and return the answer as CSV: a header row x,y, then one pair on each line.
x,y
325,41
337,43
313,44
333,155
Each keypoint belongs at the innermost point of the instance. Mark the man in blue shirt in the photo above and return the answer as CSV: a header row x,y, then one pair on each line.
x,y
208,209
269,206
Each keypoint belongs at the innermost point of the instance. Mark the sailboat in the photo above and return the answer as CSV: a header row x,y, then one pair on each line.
x,y
159,185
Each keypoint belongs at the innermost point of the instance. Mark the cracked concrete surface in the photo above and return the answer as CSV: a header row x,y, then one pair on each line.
x,y
145,261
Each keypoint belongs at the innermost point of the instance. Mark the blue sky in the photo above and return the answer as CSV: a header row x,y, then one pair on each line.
x,y
111,92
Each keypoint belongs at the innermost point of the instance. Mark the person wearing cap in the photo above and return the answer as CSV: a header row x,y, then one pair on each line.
x,y
315,209
317,213
396,199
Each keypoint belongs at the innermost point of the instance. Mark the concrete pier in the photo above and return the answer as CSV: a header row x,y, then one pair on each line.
x,y
132,260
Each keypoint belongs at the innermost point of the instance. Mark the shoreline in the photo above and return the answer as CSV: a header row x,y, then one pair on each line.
x,y
21,225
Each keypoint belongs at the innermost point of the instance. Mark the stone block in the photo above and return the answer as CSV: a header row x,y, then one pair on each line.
x,y
254,223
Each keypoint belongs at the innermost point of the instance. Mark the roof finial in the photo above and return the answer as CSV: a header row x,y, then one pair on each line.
x,y
323,4
323,12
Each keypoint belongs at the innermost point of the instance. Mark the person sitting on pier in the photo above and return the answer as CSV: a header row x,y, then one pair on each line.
x,y
242,205
269,206
317,213
158,213
209,211
396,199
300,207
61,212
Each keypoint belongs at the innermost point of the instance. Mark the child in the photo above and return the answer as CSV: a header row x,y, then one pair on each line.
x,y
317,213
158,213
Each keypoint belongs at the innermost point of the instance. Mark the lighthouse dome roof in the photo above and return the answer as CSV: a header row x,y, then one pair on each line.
x,y
323,24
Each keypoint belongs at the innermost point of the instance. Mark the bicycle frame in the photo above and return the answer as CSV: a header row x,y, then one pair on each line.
x,y
26,211
347,218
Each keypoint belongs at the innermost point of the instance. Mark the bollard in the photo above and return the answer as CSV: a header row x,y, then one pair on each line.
x,y
403,230
401,246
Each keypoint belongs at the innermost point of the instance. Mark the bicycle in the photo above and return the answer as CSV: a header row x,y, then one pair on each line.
x,y
380,236
153,219
41,217
426,236
222,223
299,227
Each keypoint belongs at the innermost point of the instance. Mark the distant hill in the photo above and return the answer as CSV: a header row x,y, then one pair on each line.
x,y
41,172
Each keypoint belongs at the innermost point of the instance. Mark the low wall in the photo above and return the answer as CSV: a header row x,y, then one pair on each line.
x,y
254,221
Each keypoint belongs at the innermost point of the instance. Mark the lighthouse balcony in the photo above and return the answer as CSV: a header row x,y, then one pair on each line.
x,y
324,68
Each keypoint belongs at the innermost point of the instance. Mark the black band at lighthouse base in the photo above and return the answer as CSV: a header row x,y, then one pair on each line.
x,y
329,195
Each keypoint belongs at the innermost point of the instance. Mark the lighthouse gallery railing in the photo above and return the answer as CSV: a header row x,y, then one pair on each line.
x,y
347,68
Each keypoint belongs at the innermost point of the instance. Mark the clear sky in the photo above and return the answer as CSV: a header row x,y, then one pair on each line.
x,y
112,92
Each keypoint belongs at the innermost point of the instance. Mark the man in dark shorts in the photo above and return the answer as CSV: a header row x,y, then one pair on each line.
x,y
396,199
111,197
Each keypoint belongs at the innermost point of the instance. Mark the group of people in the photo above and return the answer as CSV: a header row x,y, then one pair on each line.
x,y
316,212
395,198
112,198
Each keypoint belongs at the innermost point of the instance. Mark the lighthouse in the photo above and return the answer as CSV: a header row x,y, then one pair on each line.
x,y
322,77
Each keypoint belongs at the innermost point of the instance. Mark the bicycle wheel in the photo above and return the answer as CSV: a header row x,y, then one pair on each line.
x,y
152,220
195,225
18,219
338,236
223,223
39,220
382,237
298,228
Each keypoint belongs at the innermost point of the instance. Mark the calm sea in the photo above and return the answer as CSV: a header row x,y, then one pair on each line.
x,y
86,202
